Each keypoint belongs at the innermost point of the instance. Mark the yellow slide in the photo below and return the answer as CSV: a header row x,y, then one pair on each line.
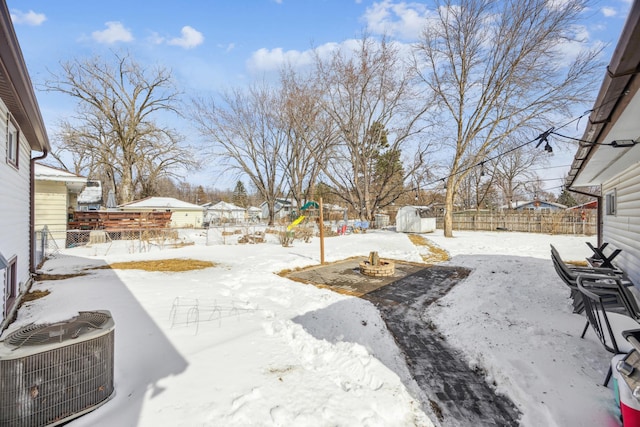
x,y
296,222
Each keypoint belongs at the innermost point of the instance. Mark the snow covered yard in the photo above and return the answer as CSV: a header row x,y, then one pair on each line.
x,y
258,354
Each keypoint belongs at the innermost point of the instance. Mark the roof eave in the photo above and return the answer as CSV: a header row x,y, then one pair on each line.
x,y
619,86
16,87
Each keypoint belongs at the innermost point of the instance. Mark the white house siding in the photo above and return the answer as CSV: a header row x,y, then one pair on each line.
x,y
622,230
15,202
187,219
51,208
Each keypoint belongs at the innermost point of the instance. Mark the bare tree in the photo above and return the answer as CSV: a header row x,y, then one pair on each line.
x,y
115,131
245,131
514,169
369,96
308,133
477,189
497,68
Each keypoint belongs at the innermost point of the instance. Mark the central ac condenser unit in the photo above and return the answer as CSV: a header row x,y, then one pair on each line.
x,y
51,373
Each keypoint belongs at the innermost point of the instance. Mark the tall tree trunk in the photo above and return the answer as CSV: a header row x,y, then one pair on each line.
x,y
448,210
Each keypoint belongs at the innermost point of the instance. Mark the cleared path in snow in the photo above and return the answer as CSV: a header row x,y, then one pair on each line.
x,y
458,395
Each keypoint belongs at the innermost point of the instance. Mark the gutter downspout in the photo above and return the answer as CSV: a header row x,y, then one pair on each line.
x,y
599,215
32,201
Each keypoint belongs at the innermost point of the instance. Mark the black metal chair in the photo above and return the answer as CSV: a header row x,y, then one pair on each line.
x,y
573,271
599,258
608,326
570,275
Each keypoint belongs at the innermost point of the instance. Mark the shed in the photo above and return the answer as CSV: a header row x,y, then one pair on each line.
x,y
415,219
183,214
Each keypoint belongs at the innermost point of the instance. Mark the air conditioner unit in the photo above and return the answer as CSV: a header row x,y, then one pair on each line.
x,y
51,373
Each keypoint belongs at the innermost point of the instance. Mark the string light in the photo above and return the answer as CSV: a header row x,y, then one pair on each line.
x,y
543,137
617,143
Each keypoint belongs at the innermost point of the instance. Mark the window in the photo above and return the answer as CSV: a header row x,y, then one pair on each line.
x,y
10,283
610,203
13,146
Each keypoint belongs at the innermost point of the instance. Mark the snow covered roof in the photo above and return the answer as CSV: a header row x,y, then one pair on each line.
x,y
49,173
521,203
92,193
224,206
161,203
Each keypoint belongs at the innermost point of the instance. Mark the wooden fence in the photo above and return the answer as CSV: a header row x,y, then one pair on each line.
x,y
561,222
118,220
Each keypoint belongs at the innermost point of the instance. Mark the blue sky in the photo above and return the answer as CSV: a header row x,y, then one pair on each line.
x,y
211,45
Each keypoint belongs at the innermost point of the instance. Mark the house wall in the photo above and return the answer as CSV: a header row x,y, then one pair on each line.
x,y
15,202
51,204
187,219
622,230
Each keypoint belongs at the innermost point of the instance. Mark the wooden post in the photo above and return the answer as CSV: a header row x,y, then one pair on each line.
x,y
321,223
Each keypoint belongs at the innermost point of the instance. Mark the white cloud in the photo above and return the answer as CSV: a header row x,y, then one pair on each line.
x,y
227,47
114,33
265,60
190,38
28,18
272,59
405,20
608,12
156,38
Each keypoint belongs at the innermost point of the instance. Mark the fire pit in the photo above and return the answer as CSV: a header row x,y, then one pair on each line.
x,y
376,267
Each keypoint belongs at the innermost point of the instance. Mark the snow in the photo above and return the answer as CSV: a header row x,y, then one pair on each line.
x,y
161,203
267,351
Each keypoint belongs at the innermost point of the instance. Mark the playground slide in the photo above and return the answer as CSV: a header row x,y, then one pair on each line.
x,y
296,222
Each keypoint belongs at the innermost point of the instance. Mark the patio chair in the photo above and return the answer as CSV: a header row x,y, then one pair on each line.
x,y
569,277
608,326
575,270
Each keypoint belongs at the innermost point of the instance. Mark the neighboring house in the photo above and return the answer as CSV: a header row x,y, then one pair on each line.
x,y
91,197
183,214
56,197
534,205
609,156
22,132
283,208
589,205
225,213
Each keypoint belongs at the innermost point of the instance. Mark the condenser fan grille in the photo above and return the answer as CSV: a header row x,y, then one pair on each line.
x,y
52,373
52,333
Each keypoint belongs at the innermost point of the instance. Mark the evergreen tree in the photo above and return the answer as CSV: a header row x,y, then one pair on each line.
x,y
240,197
201,196
567,199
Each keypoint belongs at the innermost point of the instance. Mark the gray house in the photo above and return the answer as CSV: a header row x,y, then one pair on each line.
x,y
609,157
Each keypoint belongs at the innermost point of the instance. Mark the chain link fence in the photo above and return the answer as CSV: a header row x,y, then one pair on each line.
x,y
49,242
